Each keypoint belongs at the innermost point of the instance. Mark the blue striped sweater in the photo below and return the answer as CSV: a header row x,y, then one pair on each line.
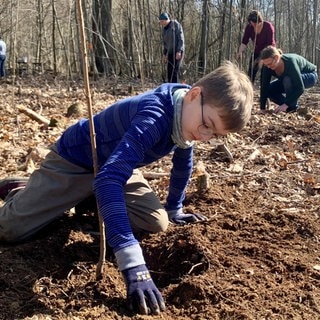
x,y
130,134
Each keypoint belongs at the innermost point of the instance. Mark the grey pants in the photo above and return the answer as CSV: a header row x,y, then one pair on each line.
x,y
57,186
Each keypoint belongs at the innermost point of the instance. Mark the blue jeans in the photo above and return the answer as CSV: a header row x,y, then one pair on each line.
x,y
278,88
2,69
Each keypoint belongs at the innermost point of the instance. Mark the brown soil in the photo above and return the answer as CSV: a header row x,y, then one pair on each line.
x,y
257,256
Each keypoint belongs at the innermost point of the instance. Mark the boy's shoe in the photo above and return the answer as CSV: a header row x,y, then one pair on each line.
x,y
8,184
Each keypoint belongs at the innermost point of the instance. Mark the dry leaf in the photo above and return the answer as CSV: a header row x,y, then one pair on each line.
x,y
236,168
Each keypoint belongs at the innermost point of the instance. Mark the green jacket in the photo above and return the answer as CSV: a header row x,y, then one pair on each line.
x,y
294,66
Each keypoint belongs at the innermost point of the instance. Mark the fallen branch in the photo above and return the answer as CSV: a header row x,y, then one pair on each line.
x,y
155,175
298,161
33,115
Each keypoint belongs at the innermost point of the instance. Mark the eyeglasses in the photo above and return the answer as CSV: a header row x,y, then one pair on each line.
x,y
204,129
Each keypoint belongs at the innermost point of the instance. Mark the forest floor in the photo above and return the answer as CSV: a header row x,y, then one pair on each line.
x,y
257,257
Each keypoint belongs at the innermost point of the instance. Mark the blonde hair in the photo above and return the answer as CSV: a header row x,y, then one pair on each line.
x,y
229,90
270,52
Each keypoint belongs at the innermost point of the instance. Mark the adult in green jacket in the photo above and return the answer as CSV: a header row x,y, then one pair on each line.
x,y
293,74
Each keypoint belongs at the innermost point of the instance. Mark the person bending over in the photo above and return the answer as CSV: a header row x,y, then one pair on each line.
x,y
261,33
130,134
293,74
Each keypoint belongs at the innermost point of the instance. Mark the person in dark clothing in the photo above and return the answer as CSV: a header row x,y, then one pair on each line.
x,y
261,33
294,74
173,46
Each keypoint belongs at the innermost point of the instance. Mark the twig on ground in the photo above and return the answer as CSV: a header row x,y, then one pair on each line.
x,y
33,115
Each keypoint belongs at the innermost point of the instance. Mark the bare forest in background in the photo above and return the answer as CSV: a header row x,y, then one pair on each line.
x,y
124,36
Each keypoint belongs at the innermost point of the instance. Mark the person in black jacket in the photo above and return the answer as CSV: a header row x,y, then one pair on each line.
x,y
173,46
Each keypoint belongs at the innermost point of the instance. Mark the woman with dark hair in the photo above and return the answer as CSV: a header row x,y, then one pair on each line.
x,y
261,33
294,74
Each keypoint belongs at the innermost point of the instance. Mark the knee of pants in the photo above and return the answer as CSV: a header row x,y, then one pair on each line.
x,y
154,222
160,222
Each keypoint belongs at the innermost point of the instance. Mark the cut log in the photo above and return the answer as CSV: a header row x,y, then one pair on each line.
x,y
33,115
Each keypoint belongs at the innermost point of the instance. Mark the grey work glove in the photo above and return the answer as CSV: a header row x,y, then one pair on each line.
x,y
180,218
142,294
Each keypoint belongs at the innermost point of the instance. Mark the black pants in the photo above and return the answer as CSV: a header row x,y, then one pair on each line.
x,y
173,68
253,66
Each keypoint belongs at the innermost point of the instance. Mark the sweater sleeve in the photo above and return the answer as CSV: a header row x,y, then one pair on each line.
x,y
247,34
143,134
179,37
165,47
180,175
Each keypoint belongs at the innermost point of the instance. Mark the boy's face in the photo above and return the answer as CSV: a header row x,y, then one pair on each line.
x,y
200,121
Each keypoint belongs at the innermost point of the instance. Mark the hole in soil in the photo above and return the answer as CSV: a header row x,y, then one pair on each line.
x,y
169,265
186,293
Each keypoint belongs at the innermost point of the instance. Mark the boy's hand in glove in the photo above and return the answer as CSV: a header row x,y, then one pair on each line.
x,y
142,294
178,217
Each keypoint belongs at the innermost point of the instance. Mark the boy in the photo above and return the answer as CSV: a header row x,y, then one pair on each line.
x,y
129,134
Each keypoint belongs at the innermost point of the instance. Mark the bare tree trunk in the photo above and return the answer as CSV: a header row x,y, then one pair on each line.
x,y
202,62
222,30
103,44
131,39
54,51
39,33
13,23
242,22
276,21
147,31
289,25
139,41
64,46
314,30
229,31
